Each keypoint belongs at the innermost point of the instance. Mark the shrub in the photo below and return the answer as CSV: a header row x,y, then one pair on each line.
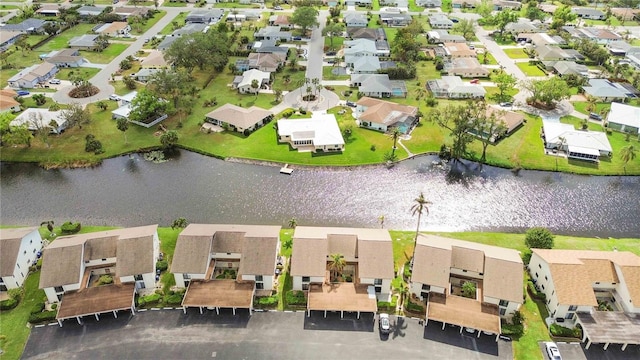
x,y
37,308
70,228
534,292
54,306
517,318
296,297
526,257
512,330
539,238
267,300
149,299
42,317
8,304
558,330
105,280
175,299
16,294
162,265
416,308
287,114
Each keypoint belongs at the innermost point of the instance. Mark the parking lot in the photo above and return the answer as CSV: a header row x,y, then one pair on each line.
x,y
576,351
170,334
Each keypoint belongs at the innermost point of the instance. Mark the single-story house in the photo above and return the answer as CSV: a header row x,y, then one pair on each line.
x,y
524,26
540,39
452,87
19,249
154,60
190,28
272,33
365,47
440,21
367,33
49,9
279,20
224,266
8,101
84,42
383,115
552,52
363,3
269,46
124,109
8,38
499,5
209,16
589,13
563,68
605,90
244,83
378,85
28,26
577,144
355,20
466,67
239,119
429,3
319,133
465,4
394,19
624,118
601,36
442,266
143,75
36,119
126,12
73,265
87,11
114,29
364,279
266,62
619,47
363,64
633,55
624,14
510,120
28,78
443,36
459,50
64,58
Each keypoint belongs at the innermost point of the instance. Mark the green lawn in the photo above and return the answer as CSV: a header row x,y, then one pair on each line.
x,y
17,61
67,73
142,28
177,23
581,106
526,347
105,56
516,53
61,41
328,75
530,70
490,59
493,91
337,42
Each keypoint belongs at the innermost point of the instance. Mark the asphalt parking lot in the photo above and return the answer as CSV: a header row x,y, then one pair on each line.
x,y
576,351
170,334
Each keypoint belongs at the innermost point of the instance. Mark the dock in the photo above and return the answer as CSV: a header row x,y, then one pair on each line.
x,y
286,170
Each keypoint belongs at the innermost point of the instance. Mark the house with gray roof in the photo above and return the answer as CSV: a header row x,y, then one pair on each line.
x,y
269,46
28,26
239,119
84,42
429,3
363,64
87,10
394,19
589,13
633,56
618,47
366,47
523,26
606,91
190,28
29,77
563,68
440,36
440,21
64,58
35,119
355,20
499,5
601,36
8,38
272,33
378,85
201,16
144,75
452,87
363,3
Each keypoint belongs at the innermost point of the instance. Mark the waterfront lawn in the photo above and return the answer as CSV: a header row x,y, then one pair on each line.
x,y
105,56
61,41
516,53
530,70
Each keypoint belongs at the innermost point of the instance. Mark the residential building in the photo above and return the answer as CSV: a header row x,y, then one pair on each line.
x,y
563,68
8,38
440,21
452,87
364,279
238,119
464,4
606,90
19,249
577,144
619,47
190,28
601,36
552,52
523,26
28,78
443,36
378,85
124,109
279,20
84,42
363,3
499,5
8,101
540,39
154,60
363,64
114,29
429,3
367,33
89,11
126,12
366,47
355,20
28,26
383,115
145,74
633,56
269,47
624,14
395,19
319,133
72,265
266,62
441,267
589,13
272,33
224,266
36,119
52,10
510,121
623,118
458,50
64,58
208,16
466,67
245,83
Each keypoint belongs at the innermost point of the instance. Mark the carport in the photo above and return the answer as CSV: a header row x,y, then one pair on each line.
x,y
463,312
95,301
609,327
219,294
341,297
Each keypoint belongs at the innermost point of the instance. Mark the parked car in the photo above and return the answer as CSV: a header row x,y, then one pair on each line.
x,y
331,53
472,47
54,81
114,97
475,81
552,351
277,7
454,20
332,61
23,92
595,116
297,38
146,40
384,324
351,104
506,104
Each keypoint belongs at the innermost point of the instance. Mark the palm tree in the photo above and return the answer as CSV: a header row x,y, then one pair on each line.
x,y
337,264
419,207
255,85
49,224
381,221
591,103
627,153
561,142
292,223
395,135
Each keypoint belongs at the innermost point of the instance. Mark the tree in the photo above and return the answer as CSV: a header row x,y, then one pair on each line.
x,y
405,46
179,223
40,99
75,114
504,81
41,130
533,12
627,153
305,17
456,119
547,91
102,42
562,16
18,135
49,224
593,51
336,264
390,158
146,106
489,126
504,17
484,9
278,94
102,105
255,85
465,28
395,135
51,28
469,289
123,125
169,139
562,142
200,50
420,206
332,30
539,238
292,223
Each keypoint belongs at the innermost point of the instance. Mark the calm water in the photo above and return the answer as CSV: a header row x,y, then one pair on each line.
x,y
130,191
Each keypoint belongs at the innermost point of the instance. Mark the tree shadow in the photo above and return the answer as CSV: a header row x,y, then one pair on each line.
x,y
583,163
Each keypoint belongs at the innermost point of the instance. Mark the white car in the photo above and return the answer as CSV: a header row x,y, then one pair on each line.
x,y
114,97
552,351
54,82
384,324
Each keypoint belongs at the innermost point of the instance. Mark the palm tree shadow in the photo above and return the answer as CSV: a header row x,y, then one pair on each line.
x,y
399,328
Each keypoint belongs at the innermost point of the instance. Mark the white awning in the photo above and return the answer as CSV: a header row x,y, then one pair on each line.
x,y
584,150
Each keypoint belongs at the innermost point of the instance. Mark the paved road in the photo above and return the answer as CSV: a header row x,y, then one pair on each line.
x,y
169,334
316,48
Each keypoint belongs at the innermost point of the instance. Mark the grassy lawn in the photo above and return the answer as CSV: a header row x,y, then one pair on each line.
x,y
139,30
526,347
67,73
328,75
178,20
581,106
530,70
516,53
61,41
105,56
490,59
337,42
34,39
17,61
493,92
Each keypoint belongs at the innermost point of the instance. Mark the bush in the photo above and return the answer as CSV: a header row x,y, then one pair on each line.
x,y
54,306
296,297
539,238
37,308
42,317
267,300
16,294
174,299
512,330
8,304
287,114
70,228
558,330
534,292
526,257
162,265
149,299
416,308
105,280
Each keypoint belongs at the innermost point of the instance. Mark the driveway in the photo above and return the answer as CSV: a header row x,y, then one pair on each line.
x,y
169,334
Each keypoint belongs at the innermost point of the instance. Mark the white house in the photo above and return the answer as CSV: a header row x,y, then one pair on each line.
x,y
624,118
239,119
36,119
440,21
71,263
319,133
244,83
28,78
382,115
577,144
355,20
364,47
19,249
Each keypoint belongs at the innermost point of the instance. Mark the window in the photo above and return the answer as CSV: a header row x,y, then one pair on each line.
x,y
553,292
25,252
539,266
546,278
426,287
186,276
138,277
259,278
536,275
503,311
378,289
18,265
104,259
259,286
34,250
306,279
305,286
504,303
542,287
464,270
597,282
59,289
377,282
573,307
569,315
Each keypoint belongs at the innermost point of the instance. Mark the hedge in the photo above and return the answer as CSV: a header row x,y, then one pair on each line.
x,y
37,308
42,317
558,330
149,299
416,308
174,299
162,265
70,228
296,297
8,304
267,300
512,330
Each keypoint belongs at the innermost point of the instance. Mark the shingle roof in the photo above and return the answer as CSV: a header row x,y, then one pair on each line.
x,y
10,240
191,254
239,117
385,112
135,254
258,256
309,257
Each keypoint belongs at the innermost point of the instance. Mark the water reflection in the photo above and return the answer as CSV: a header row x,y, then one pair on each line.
x,y
130,191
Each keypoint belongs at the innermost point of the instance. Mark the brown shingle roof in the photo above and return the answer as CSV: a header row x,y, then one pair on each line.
x,y
375,259
431,265
258,256
503,279
100,248
347,245
309,257
239,117
61,265
467,259
511,119
10,240
135,255
228,242
191,254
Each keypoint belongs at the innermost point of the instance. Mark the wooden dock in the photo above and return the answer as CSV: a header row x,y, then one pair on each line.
x,y
286,170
